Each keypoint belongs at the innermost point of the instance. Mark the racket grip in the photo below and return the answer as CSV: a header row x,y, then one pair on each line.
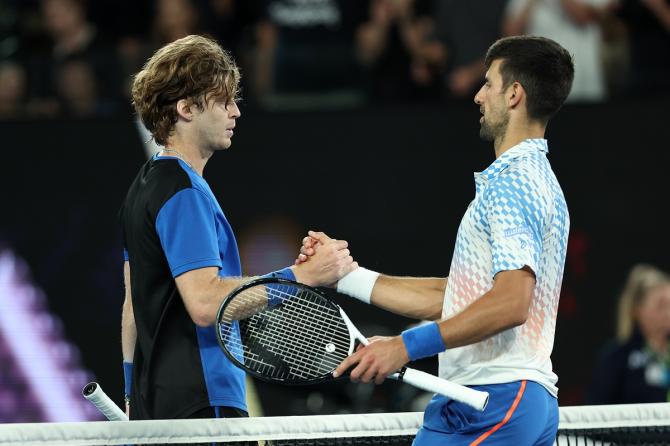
x,y
430,383
93,392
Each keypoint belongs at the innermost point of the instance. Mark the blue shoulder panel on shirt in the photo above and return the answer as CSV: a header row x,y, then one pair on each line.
x,y
186,226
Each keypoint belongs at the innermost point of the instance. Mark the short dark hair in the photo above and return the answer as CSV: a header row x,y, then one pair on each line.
x,y
544,69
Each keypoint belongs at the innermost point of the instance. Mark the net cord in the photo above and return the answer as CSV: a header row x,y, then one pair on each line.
x,y
286,428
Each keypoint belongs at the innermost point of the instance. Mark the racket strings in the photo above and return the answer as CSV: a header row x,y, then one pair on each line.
x,y
290,332
325,315
264,297
316,364
297,333
321,322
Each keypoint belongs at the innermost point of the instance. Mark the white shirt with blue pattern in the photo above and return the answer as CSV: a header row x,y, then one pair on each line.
x,y
518,218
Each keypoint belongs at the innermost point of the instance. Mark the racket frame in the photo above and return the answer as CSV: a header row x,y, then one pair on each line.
x,y
430,383
353,332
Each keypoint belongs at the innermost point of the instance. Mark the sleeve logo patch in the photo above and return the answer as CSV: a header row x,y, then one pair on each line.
x,y
517,231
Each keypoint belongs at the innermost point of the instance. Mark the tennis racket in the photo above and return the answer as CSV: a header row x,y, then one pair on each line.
x,y
93,392
282,331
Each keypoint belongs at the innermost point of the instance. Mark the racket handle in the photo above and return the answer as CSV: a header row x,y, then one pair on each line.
x,y
93,392
430,383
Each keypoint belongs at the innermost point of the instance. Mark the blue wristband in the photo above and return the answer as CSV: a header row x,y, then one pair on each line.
x,y
286,273
279,292
423,341
128,376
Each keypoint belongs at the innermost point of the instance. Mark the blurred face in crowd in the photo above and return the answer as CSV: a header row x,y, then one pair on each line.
x,y
492,104
653,313
61,16
176,18
12,86
77,86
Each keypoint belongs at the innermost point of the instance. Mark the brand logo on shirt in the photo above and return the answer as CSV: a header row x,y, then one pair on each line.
x,y
521,230
516,231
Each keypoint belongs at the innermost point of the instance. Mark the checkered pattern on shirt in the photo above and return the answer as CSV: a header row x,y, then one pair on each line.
x,y
518,218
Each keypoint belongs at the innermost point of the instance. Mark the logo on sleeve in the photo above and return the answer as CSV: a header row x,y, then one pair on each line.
x,y
519,231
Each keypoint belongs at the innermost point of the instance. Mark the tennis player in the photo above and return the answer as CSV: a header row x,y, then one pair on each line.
x,y
495,315
181,254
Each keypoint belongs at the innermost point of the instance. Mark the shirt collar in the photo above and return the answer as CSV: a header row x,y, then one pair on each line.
x,y
525,147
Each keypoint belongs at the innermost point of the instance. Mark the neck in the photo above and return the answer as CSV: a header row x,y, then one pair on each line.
x,y
517,133
189,153
658,342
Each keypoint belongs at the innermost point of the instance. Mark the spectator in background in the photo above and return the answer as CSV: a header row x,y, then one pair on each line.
x,y
636,368
77,90
174,19
392,45
306,46
12,90
464,30
71,37
648,24
575,24
171,20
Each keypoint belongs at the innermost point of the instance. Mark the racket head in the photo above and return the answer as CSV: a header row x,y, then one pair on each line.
x,y
282,331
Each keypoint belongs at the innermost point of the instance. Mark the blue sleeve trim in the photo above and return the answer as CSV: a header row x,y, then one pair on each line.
x,y
128,376
125,255
423,341
286,273
187,228
181,269
277,293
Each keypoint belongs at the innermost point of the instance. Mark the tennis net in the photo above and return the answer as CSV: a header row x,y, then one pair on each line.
x,y
641,424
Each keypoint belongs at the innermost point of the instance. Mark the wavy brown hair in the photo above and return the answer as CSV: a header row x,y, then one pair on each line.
x,y
194,68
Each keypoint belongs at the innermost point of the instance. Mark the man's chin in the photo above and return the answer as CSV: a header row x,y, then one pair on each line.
x,y
485,134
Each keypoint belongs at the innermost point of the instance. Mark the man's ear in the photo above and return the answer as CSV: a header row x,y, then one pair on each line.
x,y
185,109
515,94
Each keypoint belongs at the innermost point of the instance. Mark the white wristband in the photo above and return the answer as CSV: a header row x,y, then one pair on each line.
x,y
358,284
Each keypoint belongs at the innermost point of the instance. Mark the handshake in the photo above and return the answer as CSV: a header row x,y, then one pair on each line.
x,y
323,261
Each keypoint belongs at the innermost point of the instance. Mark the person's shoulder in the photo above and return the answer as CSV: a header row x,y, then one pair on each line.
x,y
615,351
171,168
165,178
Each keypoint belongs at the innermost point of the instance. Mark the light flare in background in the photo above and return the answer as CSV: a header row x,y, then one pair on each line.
x,y
42,377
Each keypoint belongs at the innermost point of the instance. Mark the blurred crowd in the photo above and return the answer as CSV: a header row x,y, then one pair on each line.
x,y
77,57
635,366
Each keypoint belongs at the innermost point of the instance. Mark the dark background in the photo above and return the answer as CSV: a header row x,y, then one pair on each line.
x,y
394,182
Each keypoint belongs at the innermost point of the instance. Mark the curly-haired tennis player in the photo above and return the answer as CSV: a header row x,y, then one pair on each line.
x,y
181,254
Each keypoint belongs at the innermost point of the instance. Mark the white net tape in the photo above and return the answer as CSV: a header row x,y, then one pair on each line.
x,y
285,428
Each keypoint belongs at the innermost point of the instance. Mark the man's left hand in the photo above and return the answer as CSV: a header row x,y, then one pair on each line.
x,y
380,358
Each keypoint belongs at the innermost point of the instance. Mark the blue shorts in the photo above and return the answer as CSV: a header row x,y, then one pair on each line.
x,y
520,413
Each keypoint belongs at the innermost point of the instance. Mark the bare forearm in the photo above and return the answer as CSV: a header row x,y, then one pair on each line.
x,y
371,42
662,12
505,306
128,329
203,292
581,13
414,297
128,332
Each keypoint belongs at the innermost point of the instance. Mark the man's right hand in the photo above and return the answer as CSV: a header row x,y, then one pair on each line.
x,y
329,260
307,249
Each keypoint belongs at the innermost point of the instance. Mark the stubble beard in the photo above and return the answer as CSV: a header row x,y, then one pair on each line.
x,y
495,130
